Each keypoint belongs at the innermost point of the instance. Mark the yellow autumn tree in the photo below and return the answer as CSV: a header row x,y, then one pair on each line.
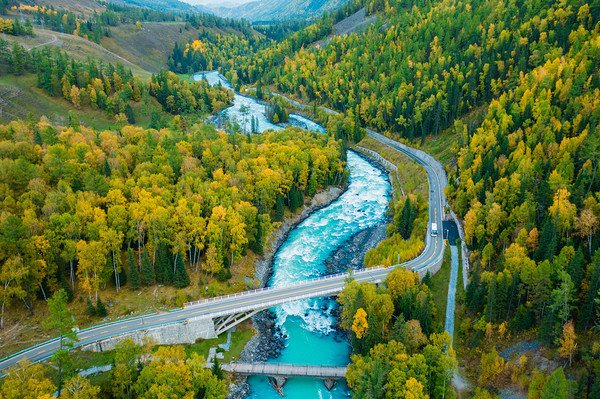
x,y
563,210
27,381
92,261
399,280
80,387
360,325
414,389
567,341
75,99
491,366
587,225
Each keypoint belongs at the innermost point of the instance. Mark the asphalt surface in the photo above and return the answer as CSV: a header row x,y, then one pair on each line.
x,y
268,297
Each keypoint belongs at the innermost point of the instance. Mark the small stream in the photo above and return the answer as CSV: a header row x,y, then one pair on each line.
x,y
308,326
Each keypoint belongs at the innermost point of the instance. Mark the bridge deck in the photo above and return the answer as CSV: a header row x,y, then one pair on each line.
x,y
285,370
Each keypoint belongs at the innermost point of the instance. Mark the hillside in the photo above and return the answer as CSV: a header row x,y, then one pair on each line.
x,y
174,6
80,7
517,87
276,10
149,46
355,23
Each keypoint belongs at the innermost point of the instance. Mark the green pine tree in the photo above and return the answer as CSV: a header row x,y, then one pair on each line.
x,y
293,199
160,264
134,276
37,137
548,241
557,386
182,279
300,197
89,307
427,279
100,308
405,221
147,270
279,208
312,184
106,168
216,369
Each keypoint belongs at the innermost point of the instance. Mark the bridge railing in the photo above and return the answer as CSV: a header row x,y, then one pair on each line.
x,y
275,302
266,305
291,369
265,289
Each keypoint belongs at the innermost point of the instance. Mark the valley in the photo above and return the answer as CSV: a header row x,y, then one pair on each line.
x,y
165,166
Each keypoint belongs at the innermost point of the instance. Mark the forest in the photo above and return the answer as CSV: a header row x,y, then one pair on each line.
x,y
112,88
97,25
181,199
519,83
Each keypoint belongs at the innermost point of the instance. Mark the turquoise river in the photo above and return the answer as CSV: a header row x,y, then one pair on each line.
x,y
309,325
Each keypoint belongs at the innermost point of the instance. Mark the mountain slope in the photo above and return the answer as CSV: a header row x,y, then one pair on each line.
x,y
174,6
270,10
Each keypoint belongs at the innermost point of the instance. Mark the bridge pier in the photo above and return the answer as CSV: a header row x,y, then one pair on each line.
x,y
329,383
278,382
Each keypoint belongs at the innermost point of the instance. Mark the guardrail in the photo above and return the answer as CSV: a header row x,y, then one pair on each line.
x,y
328,291
280,301
288,369
265,289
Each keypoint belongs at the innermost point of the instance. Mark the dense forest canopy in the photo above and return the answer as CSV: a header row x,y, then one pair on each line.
x,y
75,199
519,84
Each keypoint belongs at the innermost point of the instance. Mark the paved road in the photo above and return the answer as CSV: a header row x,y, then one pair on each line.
x,y
267,297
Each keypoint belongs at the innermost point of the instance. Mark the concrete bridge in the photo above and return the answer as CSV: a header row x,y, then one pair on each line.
x,y
278,373
209,317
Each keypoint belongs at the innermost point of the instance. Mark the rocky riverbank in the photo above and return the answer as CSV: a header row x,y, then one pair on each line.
x,y
268,342
263,268
351,255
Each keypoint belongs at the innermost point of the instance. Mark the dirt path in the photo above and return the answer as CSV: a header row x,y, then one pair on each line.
x,y
53,40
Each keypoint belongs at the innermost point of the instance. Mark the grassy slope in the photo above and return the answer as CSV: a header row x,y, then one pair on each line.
x,y
439,288
150,46
411,176
21,96
76,47
78,7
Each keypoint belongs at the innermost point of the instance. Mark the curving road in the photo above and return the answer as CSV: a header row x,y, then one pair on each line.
x,y
267,297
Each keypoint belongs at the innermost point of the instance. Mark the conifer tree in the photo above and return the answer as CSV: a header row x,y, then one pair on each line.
x,y
106,168
147,270
405,221
257,244
279,208
182,279
89,307
163,266
293,199
134,276
100,308
312,184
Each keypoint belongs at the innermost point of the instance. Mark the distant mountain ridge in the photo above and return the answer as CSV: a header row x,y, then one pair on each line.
x,y
272,10
174,6
260,10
